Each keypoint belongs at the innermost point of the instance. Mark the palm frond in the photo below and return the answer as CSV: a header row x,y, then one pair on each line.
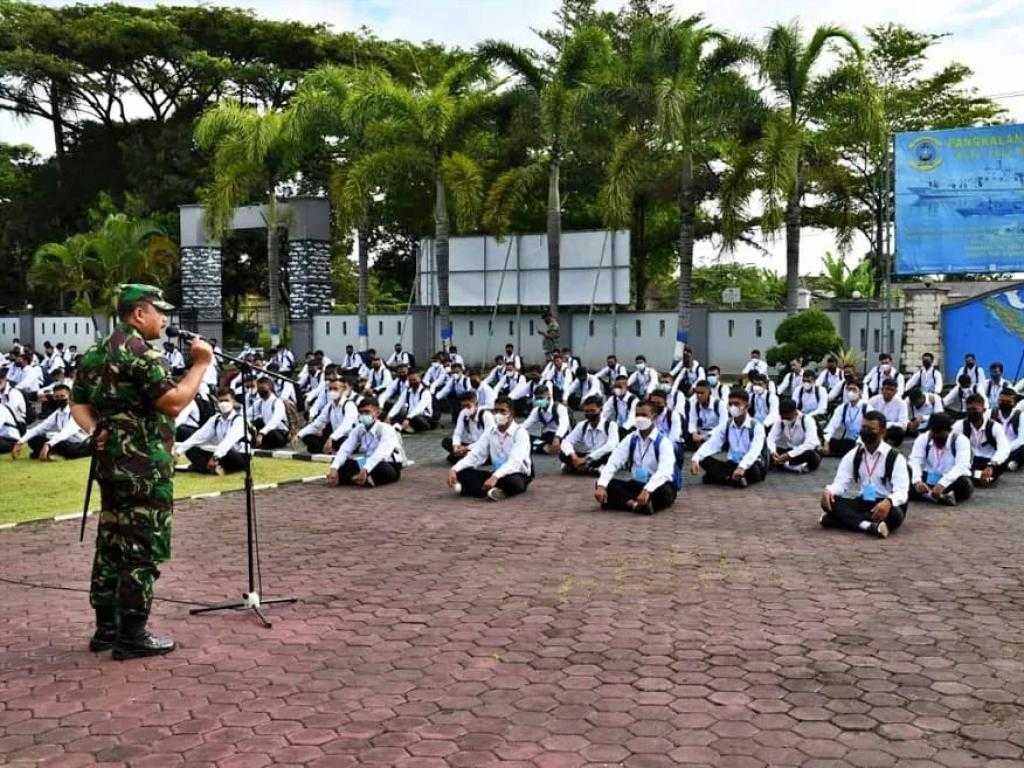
x,y
622,179
464,180
522,61
509,192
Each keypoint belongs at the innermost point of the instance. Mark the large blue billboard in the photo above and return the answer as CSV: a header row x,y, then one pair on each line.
x,y
990,326
960,200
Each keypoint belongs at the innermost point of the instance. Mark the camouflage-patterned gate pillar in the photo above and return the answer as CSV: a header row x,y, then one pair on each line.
x,y
309,268
200,275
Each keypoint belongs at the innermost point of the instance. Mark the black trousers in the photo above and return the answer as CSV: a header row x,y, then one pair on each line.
x,y
232,461
1017,455
542,442
980,463
418,423
962,489
622,491
452,459
67,449
719,471
184,432
809,459
850,513
384,473
589,468
472,482
277,438
314,441
7,444
840,446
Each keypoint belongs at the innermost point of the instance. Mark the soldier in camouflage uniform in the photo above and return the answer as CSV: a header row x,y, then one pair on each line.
x,y
124,394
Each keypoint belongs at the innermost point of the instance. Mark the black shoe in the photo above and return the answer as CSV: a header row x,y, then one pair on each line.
x,y
106,631
134,642
644,509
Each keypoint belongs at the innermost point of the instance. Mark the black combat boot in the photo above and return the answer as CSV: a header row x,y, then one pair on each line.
x,y
134,642
106,630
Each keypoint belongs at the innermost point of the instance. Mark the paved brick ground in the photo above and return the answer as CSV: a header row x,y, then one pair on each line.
x,y
730,631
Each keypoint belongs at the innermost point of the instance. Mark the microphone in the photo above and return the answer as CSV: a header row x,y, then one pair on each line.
x,y
173,331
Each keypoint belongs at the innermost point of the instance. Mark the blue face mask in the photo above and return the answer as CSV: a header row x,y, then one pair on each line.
x,y
366,420
541,403
712,380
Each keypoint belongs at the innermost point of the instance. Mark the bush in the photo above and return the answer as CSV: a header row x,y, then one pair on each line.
x,y
808,335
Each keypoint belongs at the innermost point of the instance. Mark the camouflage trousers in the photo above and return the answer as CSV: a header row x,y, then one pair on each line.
x,y
134,536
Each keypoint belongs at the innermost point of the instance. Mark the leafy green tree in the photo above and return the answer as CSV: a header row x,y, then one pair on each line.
x,y
253,153
807,335
788,65
554,93
842,282
420,132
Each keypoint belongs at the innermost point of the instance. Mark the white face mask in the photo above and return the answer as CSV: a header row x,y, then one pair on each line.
x,y
618,391
502,419
643,423
335,395
225,407
808,386
758,389
852,396
641,367
736,411
471,410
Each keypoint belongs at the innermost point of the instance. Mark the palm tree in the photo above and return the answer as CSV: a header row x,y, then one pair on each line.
x,y
843,282
554,92
420,132
787,64
253,153
698,97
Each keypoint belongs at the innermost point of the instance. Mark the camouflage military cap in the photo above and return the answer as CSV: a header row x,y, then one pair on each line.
x,y
130,293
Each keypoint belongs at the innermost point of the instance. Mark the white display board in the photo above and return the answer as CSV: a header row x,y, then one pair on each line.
x,y
485,271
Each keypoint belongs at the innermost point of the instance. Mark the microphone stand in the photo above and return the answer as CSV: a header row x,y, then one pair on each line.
x,y
251,600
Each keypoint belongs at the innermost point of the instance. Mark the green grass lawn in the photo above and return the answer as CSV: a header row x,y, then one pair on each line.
x,y
33,489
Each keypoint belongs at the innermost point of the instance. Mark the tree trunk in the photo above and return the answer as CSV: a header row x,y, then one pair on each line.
x,y
554,238
273,267
362,243
638,244
793,242
687,215
441,255
59,142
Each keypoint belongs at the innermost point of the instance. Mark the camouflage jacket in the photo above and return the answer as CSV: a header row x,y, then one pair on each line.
x,y
122,377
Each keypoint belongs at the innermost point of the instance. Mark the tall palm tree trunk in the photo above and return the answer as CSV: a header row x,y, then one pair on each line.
x,y
793,242
273,267
362,243
441,254
554,237
638,244
687,216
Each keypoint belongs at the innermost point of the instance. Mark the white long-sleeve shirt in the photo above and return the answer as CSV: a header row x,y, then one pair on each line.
x,y
219,434
872,472
833,382
515,359
670,424
433,373
454,384
415,402
508,452
926,379
609,372
956,398
341,416
273,413
585,387
1011,426
996,449
394,390
645,381
755,364
284,359
932,404
764,407
30,380
554,418
8,426
846,418
790,381
14,400
690,374
58,427
811,402
876,377
659,460
378,379
469,427
992,388
704,418
895,410
397,359
978,377
746,438
559,376
380,442
593,441
188,416
174,359
796,439
351,360
622,410
485,395
948,464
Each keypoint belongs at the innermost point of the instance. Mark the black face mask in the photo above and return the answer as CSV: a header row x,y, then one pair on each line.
x,y
926,363
870,438
940,440
975,417
61,402
593,417
1006,408
264,393
969,364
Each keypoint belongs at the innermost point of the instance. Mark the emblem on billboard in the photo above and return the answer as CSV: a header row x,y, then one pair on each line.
x,y
925,152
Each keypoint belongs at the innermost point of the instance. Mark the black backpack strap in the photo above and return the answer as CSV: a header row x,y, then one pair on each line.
x,y
890,463
858,457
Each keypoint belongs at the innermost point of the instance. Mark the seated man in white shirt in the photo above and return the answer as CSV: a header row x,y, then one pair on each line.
x,y
621,404
611,371
793,440
414,409
510,356
989,446
218,446
686,372
553,419
719,389
890,405
755,363
12,398
587,447
973,371
506,447
643,380
648,456
332,425
995,383
470,424
351,363
831,378
707,411
810,397
921,406
843,429
378,378
454,358
10,429
190,418
583,385
58,434
764,403
1009,416
741,440
791,381
940,464
380,446
927,378
270,417
955,401
882,372
448,391
883,480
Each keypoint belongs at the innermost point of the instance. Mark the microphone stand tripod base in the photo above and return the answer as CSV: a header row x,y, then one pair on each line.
x,y
250,601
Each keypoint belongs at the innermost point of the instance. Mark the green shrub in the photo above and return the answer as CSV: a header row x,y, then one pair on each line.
x,y
808,334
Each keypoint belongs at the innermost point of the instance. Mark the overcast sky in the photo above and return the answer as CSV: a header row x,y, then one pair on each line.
x,y
985,34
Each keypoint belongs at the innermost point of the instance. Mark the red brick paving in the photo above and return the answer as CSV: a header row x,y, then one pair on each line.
x,y
434,632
